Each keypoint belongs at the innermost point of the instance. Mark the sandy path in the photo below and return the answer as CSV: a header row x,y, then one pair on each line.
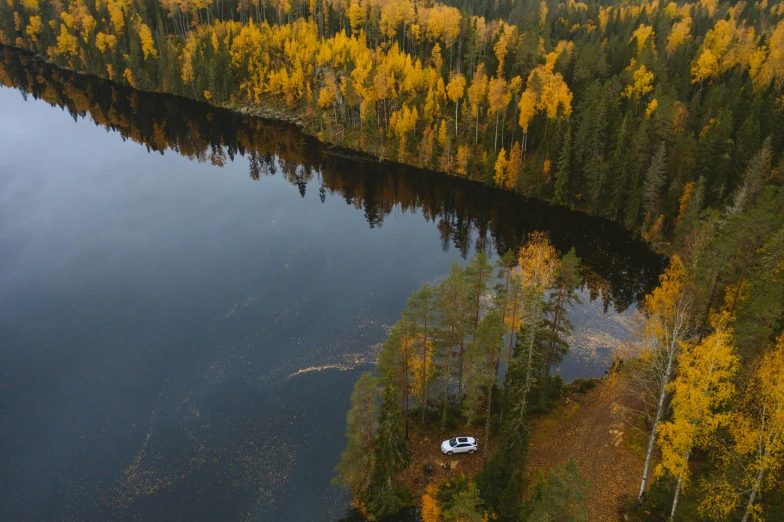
x,y
586,429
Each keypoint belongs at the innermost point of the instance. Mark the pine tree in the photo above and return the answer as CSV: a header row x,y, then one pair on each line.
x,y
561,188
356,462
561,496
390,456
654,181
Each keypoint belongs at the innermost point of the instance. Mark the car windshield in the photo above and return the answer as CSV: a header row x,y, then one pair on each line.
x,y
453,442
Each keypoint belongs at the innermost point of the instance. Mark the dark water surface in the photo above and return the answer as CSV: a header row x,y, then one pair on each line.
x,y
180,331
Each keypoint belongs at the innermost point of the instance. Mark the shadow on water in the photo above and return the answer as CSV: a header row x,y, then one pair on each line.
x,y
469,216
190,382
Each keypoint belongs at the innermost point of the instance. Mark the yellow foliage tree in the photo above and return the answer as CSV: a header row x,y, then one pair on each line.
x,y
759,430
699,392
461,161
476,95
500,168
455,89
642,34
667,324
642,83
680,32
431,512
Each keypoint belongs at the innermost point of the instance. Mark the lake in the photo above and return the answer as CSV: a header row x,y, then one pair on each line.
x,y
188,295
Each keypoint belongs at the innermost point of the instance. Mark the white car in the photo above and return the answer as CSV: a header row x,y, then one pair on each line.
x,y
459,445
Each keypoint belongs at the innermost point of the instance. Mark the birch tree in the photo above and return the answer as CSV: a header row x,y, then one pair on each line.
x,y
700,391
667,324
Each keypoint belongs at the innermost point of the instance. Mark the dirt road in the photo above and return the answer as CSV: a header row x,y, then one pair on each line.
x,y
584,427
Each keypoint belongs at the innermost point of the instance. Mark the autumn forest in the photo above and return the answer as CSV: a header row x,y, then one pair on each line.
x,y
664,117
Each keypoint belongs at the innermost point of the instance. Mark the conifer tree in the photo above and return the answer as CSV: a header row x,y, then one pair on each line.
x,y
356,462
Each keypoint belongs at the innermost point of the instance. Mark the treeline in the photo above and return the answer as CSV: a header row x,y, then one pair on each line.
x,y
707,371
468,217
440,368
621,109
711,368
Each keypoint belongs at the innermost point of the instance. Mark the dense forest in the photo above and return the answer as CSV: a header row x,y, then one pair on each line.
x,y
667,118
475,352
635,111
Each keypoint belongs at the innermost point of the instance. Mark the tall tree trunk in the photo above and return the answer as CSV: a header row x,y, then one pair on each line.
x,y
554,330
675,500
487,415
652,438
405,381
754,490
678,489
531,340
424,374
460,370
457,103
495,141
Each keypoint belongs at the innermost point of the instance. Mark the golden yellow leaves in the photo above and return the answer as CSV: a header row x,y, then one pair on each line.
x,y
527,106
117,10
661,305
642,34
500,168
538,261
772,67
128,76
709,6
680,32
477,90
501,47
403,122
105,41
440,22
706,66
498,96
148,43
329,93
651,108
33,28
546,91
356,17
461,161
703,386
431,512
604,18
642,83
456,87
66,43
506,170
422,372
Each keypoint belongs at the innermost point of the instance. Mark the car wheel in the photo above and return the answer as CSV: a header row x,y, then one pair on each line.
x,y
448,452
472,452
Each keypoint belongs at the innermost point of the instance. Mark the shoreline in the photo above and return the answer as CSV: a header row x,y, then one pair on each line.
x,y
274,113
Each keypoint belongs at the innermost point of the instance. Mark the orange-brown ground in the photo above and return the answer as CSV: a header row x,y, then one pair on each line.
x,y
584,427
426,449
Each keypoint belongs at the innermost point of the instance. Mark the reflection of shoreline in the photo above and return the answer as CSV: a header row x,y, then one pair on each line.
x,y
469,216
598,336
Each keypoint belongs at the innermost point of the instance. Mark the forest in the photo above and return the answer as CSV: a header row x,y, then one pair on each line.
x,y
665,117
476,351
633,111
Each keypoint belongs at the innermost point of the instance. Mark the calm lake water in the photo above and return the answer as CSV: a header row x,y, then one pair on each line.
x,y
187,297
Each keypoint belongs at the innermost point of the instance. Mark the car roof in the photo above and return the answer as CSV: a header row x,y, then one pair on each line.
x,y
466,439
